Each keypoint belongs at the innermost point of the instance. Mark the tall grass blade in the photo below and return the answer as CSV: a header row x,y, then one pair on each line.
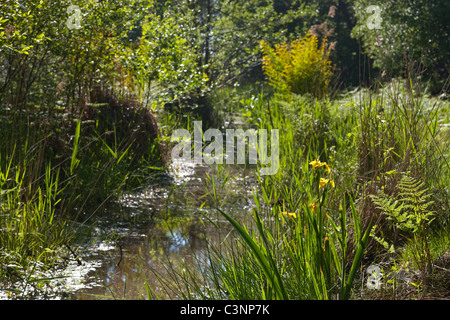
x,y
259,255
74,161
357,260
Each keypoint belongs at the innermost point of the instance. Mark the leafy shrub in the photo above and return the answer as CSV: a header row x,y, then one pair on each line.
x,y
299,67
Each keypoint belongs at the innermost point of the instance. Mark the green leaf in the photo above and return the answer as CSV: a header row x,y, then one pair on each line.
x,y
260,257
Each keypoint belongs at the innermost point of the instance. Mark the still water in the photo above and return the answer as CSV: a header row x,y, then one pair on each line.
x,y
169,223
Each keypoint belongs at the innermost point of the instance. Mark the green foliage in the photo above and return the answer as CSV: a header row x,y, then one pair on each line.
x,y
243,24
64,153
263,256
408,120
295,246
314,238
409,209
57,168
167,59
190,48
300,67
31,230
414,33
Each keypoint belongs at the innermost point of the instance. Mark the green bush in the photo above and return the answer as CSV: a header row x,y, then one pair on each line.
x,y
299,67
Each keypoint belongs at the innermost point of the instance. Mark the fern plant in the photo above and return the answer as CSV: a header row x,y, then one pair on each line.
x,y
416,202
410,211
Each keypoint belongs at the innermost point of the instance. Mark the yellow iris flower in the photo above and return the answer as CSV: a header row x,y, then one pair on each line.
x,y
291,215
323,182
317,164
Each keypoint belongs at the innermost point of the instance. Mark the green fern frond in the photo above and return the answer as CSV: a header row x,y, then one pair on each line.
x,y
409,210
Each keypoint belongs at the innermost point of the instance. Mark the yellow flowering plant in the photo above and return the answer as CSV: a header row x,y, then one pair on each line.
x,y
302,66
322,182
290,215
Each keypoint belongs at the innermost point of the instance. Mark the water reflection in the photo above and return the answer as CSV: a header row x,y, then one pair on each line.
x,y
158,226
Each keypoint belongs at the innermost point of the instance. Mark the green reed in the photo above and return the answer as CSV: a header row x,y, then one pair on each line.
x,y
297,244
312,228
31,230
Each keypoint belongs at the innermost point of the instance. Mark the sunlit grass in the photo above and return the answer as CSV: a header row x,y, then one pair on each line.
x,y
308,238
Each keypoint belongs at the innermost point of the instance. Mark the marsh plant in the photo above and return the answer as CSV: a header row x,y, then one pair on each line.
x,y
351,192
294,247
